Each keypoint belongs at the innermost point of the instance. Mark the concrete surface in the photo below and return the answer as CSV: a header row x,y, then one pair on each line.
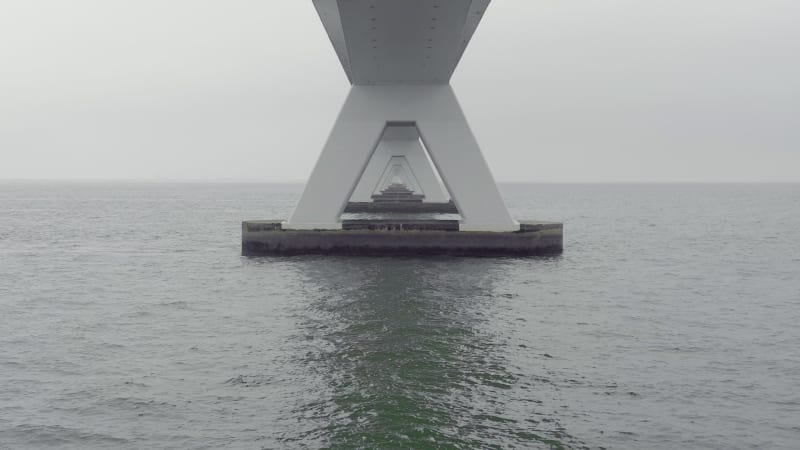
x,y
267,237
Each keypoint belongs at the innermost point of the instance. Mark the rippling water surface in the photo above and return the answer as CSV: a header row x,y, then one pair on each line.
x,y
129,320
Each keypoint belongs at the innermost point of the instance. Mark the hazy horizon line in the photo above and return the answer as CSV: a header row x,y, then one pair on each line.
x,y
302,182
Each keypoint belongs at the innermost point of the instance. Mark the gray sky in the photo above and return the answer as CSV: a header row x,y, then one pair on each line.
x,y
555,90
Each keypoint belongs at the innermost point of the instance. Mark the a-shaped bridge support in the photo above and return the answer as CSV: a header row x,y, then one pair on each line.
x,y
435,112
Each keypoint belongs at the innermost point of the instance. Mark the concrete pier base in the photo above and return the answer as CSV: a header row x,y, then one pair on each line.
x,y
369,237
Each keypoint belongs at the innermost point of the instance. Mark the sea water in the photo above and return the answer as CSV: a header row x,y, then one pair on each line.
x,y
128,319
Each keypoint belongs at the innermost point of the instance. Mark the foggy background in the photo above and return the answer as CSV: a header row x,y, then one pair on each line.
x,y
555,90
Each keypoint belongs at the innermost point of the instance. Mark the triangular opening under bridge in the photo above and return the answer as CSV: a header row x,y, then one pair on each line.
x,y
401,178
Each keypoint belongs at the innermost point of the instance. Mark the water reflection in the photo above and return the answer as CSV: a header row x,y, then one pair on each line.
x,y
407,351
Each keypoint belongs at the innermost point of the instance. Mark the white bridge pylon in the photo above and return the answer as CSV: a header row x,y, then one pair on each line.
x,y
399,56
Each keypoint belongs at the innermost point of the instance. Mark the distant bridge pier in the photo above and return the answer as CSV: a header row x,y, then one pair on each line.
x,y
400,141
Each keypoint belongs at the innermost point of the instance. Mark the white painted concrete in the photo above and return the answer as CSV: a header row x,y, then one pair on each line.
x,y
445,133
399,56
400,41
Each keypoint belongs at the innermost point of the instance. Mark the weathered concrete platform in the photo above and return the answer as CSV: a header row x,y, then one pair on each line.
x,y
419,237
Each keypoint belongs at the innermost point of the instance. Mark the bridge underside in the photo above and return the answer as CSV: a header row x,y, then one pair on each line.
x,y
400,42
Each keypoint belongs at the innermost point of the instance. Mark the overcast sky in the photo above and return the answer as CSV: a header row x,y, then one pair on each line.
x,y
555,90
